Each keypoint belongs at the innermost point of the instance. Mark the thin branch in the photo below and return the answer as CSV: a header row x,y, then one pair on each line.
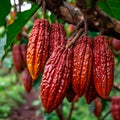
x,y
75,38
116,86
59,113
106,115
71,110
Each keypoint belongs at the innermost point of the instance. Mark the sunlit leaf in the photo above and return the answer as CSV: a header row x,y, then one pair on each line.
x,y
20,21
5,7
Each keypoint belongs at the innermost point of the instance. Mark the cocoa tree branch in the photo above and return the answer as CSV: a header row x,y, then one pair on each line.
x,y
106,115
71,110
59,113
84,4
116,86
96,18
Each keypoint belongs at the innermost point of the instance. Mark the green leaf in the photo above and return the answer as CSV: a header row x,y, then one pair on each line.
x,y
92,106
111,7
2,44
5,7
36,83
20,21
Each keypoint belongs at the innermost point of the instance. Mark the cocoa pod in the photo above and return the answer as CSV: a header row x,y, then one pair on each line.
x,y
98,107
91,93
70,95
82,65
103,66
115,108
17,58
23,48
55,80
37,50
27,80
57,36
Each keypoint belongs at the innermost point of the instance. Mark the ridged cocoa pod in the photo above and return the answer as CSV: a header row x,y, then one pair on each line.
x,y
17,58
70,95
98,107
23,48
103,66
82,65
57,36
37,51
115,108
55,81
91,93
27,80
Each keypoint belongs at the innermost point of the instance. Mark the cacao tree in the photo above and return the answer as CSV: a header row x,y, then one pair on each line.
x,y
78,63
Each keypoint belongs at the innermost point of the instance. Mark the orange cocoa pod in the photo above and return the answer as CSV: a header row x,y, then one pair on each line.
x,y
91,93
57,36
98,107
37,51
17,58
82,65
103,66
55,80
27,80
115,108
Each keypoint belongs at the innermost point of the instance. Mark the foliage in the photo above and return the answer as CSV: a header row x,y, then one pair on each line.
x,y
10,91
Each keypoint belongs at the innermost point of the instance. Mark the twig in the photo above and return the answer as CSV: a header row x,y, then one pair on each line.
x,y
59,113
24,34
106,115
75,38
71,110
116,86
43,8
86,27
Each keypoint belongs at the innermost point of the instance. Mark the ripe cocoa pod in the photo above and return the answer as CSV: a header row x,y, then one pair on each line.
x,y
17,58
98,107
55,80
57,36
23,48
37,51
82,65
115,108
103,66
27,80
91,93
70,95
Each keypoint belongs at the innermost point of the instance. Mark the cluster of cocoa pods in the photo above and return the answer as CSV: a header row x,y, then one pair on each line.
x,y
84,68
19,52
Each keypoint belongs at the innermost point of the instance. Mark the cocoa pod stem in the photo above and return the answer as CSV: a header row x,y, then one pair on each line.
x,y
75,38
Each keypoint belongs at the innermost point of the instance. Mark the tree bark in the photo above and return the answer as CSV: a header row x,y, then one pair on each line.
x,y
97,20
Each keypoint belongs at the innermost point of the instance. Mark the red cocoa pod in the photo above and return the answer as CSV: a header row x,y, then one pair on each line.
x,y
17,58
55,80
27,80
91,93
103,66
115,108
37,51
70,95
82,65
57,36
23,48
98,107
